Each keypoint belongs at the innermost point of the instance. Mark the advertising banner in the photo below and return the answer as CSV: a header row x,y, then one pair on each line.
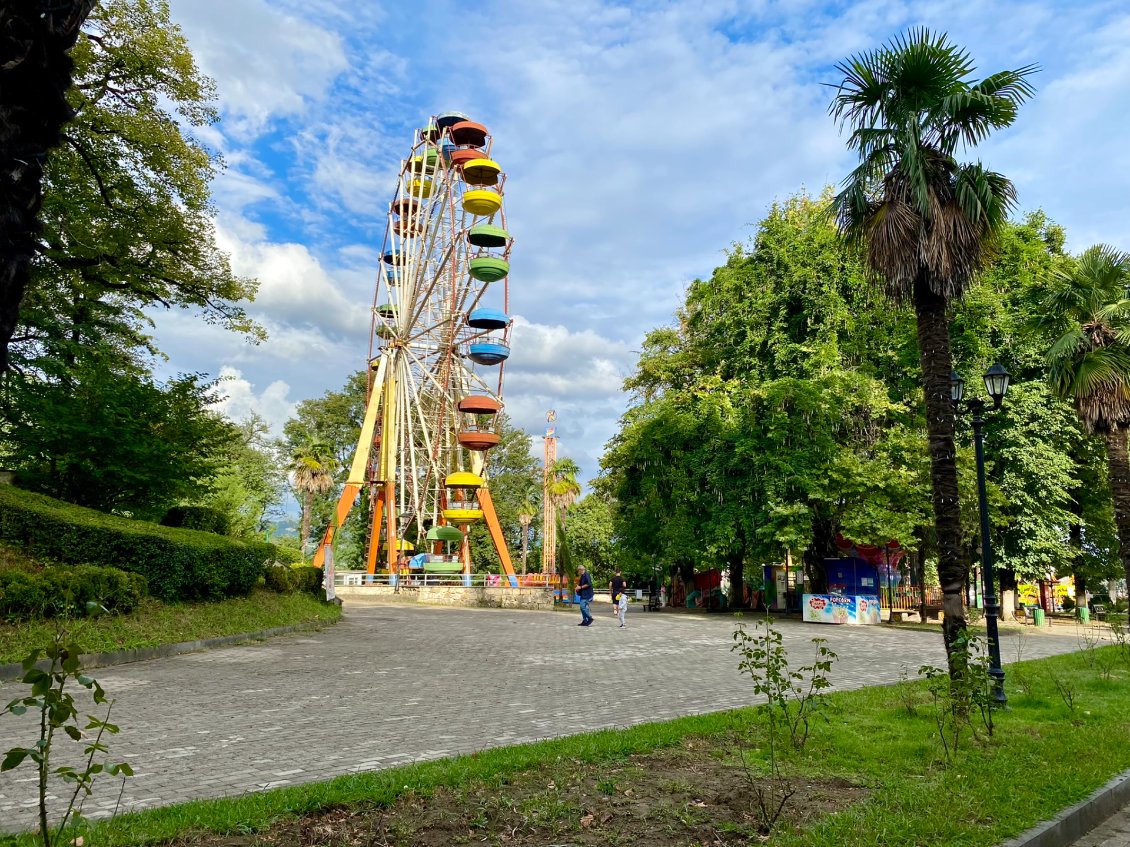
x,y
833,608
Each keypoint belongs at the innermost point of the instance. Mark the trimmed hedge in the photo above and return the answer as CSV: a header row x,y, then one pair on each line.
x,y
286,580
58,592
178,564
203,518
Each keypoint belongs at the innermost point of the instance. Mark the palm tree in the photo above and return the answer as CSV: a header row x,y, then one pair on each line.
x,y
924,220
312,467
1089,362
563,487
35,76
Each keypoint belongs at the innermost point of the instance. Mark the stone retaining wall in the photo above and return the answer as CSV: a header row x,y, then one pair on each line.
x,y
443,595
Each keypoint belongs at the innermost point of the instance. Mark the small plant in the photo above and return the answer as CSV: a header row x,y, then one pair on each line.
x,y
57,711
1120,634
906,692
963,699
795,697
1017,673
797,694
1065,688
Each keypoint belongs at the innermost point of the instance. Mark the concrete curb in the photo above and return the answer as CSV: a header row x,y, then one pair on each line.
x,y
141,654
1076,821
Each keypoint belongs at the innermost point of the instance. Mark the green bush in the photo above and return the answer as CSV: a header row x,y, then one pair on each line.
x,y
202,518
278,578
307,580
178,564
288,555
58,591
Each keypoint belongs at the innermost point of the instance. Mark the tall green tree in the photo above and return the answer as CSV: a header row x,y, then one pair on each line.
x,y
924,220
1089,362
248,482
127,217
35,79
111,441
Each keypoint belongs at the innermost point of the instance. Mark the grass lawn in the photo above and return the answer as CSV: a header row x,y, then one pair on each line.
x,y
156,623
872,774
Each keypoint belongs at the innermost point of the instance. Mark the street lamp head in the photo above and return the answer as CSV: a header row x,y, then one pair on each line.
x,y
957,387
996,383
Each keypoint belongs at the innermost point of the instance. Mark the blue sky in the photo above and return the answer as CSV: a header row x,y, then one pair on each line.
x,y
639,140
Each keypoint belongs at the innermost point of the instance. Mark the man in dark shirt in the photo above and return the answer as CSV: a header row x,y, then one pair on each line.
x,y
618,586
585,592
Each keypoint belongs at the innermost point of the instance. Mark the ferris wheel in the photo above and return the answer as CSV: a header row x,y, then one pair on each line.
x,y
437,350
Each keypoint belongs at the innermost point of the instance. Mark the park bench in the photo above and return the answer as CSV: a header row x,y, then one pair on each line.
x,y
1100,611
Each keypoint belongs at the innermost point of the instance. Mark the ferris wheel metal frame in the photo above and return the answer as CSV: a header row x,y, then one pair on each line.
x,y
436,358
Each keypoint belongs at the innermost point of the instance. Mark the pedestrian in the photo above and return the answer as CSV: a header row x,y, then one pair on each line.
x,y
622,607
616,589
585,592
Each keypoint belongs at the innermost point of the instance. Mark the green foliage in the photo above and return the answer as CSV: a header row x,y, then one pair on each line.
x,y
179,564
307,580
200,518
593,542
247,483
112,441
68,592
963,697
277,578
288,580
128,222
56,709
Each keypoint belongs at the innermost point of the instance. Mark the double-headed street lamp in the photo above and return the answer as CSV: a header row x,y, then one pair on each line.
x,y
996,384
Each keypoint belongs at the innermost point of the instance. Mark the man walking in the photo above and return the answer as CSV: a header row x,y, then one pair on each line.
x,y
585,592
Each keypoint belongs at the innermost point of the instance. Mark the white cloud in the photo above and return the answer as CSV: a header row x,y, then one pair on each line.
x,y
267,63
639,141
238,399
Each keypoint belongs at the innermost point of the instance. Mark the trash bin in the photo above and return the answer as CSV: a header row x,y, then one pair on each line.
x,y
1084,614
1038,616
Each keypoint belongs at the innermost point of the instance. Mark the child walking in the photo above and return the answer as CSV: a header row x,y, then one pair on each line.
x,y
622,607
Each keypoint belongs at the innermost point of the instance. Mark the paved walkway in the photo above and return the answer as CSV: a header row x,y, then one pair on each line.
x,y
394,684
1114,832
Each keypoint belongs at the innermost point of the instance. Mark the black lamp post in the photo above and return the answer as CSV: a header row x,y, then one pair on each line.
x,y
996,384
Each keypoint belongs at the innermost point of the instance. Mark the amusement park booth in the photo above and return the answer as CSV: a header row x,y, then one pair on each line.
x,y
852,594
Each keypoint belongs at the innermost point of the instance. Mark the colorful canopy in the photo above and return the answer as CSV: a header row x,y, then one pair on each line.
x,y
444,533
463,479
480,404
488,235
488,319
481,172
470,133
450,119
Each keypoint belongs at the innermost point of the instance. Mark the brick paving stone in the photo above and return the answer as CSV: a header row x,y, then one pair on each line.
x,y
395,684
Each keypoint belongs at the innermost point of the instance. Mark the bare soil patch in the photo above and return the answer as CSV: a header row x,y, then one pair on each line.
x,y
694,794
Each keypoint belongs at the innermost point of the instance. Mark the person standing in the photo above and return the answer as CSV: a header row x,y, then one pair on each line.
x,y
585,592
617,588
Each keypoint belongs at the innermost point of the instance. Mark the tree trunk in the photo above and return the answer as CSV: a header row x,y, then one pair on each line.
x,y
736,565
304,533
1120,489
35,75
1008,593
937,365
823,546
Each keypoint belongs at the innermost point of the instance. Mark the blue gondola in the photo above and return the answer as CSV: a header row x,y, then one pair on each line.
x,y
390,258
488,319
447,149
450,119
489,353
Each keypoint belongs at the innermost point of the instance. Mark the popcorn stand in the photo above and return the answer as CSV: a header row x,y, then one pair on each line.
x,y
852,594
